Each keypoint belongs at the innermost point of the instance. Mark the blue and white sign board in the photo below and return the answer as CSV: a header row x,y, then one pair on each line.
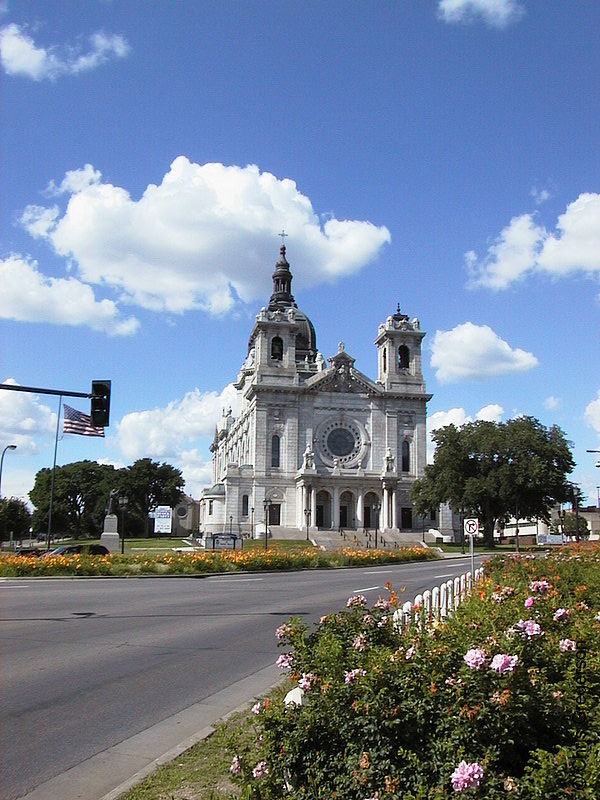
x,y
163,519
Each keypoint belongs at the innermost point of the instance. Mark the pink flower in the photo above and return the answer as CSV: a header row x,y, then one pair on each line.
x,y
283,631
260,770
560,614
305,681
539,586
256,708
475,658
566,645
410,652
529,602
350,675
466,776
357,600
529,628
502,663
284,661
236,766
383,604
359,642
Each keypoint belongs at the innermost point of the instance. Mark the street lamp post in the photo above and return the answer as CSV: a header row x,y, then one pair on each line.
x,y
8,447
307,517
267,505
123,502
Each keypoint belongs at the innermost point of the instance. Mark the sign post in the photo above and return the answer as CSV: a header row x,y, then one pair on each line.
x,y
471,528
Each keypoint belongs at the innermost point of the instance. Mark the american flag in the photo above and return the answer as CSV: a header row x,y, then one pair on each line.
x,y
77,422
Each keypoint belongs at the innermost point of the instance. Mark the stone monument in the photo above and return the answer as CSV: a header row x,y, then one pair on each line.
x,y
110,531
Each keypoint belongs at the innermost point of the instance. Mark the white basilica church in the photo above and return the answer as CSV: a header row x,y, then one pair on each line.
x,y
319,446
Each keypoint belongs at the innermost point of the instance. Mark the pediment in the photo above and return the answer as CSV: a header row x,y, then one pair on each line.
x,y
342,377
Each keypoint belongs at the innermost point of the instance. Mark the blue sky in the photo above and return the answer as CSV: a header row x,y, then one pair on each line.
x,y
440,154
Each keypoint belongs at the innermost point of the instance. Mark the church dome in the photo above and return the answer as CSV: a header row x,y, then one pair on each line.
x,y
282,299
306,338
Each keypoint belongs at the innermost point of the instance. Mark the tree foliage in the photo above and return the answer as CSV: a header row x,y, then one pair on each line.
x,y
497,470
82,489
14,518
148,484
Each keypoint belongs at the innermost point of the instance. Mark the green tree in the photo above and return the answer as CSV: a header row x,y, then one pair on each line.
x,y
79,498
83,488
40,497
496,470
147,484
14,518
568,526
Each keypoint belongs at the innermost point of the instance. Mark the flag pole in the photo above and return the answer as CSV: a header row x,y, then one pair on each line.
x,y
49,536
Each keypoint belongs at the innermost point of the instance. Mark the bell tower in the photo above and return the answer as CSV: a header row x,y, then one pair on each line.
x,y
399,353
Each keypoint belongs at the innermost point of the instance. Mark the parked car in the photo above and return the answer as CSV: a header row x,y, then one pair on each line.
x,y
82,549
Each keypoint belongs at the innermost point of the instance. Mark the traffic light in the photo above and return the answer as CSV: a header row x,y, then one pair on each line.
x,y
100,403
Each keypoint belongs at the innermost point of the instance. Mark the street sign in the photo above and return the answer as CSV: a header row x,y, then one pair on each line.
x,y
162,519
471,527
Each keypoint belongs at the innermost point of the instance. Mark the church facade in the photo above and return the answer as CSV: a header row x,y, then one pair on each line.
x,y
318,445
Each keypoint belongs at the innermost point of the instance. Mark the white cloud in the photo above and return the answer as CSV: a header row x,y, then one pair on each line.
x,y
20,55
524,248
495,13
458,417
510,258
577,247
29,296
490,413
552,403
196,472
470,352
592,414
539,195
23,419
205,235
163,432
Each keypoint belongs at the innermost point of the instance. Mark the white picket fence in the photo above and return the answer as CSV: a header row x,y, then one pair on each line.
x,y
436,604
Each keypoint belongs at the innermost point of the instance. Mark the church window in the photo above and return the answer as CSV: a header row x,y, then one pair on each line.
x,y
405,457
210,507
403,357
277,348
385,360
275,450
244,505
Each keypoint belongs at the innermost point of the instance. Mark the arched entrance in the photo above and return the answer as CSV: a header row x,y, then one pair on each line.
x,y
323,509
347,510
370,515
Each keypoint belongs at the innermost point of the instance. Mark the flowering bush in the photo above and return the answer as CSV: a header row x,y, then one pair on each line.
x,y
207,561
487,705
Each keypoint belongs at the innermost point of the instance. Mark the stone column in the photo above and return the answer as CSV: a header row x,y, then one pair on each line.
x,y
394,509
360,510
335,511
385,507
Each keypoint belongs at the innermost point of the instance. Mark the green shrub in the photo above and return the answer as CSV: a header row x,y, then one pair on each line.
x,y
500,701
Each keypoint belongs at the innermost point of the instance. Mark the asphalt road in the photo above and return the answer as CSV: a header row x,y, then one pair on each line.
x,y
92,667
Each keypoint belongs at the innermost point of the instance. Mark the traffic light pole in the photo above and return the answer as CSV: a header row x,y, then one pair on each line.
x,y
100,403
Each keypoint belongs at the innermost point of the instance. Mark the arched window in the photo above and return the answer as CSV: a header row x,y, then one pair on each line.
x,y
244,505
275,447
403,357
385,360
277,348
405,457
